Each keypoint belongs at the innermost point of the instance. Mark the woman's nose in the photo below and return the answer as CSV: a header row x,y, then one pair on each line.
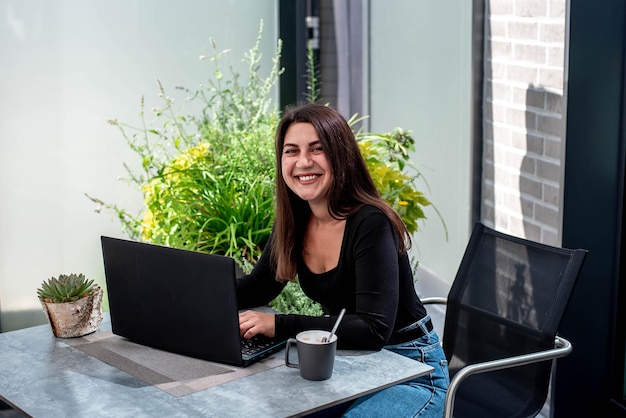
x,y
304,160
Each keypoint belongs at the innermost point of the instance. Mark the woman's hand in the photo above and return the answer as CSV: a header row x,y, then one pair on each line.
x,y
253,323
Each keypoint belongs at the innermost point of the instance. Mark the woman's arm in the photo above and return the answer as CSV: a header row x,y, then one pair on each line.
x,y
377,283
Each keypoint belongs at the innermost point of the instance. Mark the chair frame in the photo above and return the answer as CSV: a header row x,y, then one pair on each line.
x,y
562,348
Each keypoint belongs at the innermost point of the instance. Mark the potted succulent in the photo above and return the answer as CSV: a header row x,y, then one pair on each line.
x,y
72,304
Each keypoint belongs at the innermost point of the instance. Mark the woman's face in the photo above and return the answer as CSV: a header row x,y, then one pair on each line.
x,y
305,168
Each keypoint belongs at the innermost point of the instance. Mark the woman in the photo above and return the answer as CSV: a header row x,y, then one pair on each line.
x,y
349,250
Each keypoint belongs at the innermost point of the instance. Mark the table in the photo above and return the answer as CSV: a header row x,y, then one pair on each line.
x,y
44,377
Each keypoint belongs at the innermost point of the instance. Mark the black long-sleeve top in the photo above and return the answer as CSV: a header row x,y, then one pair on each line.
x,y
372,281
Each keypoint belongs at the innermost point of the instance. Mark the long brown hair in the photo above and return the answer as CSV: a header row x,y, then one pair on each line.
x,y
351,189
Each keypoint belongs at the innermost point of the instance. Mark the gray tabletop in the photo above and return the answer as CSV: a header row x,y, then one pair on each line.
x,y
45,377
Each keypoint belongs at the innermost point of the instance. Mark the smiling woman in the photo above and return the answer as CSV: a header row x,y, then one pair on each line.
x,y
348,248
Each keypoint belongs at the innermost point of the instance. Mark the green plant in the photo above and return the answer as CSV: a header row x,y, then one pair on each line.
x,y
387,159
207,176
65,288
313,87
293,300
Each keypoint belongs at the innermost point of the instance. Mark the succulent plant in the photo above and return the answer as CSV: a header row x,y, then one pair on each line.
x,y
66,288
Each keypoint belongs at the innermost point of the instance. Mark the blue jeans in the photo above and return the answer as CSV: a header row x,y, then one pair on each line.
x,y
422,397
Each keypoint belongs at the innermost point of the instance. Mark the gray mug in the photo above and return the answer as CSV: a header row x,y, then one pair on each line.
x,y
315,357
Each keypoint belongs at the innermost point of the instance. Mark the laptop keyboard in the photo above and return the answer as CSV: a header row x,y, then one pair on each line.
x,y
256,345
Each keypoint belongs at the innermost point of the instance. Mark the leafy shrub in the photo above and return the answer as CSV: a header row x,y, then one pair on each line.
x,y
387,158
208,177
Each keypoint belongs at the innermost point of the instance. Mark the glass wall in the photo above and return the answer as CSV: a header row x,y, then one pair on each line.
x,y
420,79
67,67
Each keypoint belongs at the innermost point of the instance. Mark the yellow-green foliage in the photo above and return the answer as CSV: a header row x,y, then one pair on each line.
x,y
158,191
211,202
395,187
207,178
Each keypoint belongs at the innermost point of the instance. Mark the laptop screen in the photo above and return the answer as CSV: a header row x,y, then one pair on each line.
x,y
176,300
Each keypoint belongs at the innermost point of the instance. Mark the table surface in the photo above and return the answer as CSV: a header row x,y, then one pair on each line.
x,y
44,377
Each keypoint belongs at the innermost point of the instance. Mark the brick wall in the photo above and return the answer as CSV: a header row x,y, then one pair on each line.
x,y
523,121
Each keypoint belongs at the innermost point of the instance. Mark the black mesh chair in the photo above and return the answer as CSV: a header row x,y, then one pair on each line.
x,y
502,316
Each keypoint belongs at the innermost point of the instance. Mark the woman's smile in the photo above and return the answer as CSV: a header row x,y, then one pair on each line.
x,y
308,178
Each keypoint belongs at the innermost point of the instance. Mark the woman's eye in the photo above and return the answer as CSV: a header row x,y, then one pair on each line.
x,y
318,149
289,151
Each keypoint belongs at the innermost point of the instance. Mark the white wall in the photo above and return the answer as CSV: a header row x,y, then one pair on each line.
x,y
420,79
67,67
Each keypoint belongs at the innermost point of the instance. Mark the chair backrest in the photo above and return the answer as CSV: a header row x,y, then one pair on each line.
x,y
508,298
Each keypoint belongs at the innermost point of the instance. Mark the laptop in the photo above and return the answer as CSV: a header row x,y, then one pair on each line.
x,y
179,301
